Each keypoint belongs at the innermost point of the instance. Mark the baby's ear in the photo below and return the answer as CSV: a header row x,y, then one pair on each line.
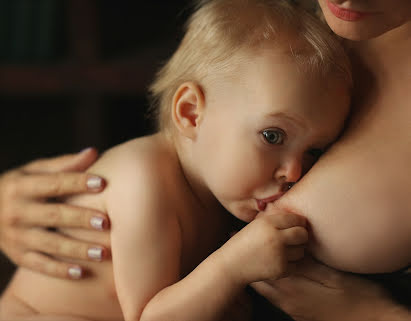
x,y
188,109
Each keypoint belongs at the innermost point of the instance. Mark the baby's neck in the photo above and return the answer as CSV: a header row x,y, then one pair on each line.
x,y
193,176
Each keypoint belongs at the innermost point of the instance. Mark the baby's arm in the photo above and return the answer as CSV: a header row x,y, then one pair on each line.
x,y
146,248
145,234
266,248
262,250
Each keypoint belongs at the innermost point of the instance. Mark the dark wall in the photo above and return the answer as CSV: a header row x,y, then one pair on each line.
x,y
74,74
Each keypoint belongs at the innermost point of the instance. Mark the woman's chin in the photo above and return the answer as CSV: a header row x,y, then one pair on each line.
x,y
359,31
351,32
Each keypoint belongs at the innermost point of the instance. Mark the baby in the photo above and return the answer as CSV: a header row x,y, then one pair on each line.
x,y
256,89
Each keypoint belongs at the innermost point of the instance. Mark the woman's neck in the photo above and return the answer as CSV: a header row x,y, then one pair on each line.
x,y
386,57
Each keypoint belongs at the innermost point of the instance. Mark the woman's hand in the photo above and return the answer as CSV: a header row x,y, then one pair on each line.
x,y
241,309
26,214
318,293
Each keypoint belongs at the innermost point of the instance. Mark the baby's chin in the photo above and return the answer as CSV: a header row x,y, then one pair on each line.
x,y
241,211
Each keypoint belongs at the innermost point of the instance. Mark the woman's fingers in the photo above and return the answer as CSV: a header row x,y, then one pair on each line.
x,y
305,296
28,204
63,215
55,244
57,184
44,264
320,273
66,163
266,290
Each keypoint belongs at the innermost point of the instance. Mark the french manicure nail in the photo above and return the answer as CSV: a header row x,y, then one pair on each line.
x,y
94,182
97,222
75,272
95,253
85,150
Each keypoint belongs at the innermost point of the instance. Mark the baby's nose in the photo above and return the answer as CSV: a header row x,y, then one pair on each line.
x,y
293,170
290,171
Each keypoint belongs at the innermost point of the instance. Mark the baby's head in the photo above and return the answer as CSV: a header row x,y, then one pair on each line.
x,y
222,34
254,91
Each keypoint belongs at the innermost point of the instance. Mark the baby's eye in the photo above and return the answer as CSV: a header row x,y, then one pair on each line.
x,y
274,136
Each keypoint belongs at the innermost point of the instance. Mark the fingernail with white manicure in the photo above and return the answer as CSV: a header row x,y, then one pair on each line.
x,y
95,253
85,150
94,182
75,272
97,222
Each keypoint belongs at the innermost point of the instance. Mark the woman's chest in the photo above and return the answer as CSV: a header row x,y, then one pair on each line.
x,y
357,197
379,133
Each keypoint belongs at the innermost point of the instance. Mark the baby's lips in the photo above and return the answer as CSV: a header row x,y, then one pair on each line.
x,y
262,203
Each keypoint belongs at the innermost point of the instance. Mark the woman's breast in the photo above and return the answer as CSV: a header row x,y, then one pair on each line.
x,y
357,197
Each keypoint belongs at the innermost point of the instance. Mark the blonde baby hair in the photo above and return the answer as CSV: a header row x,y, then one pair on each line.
x,y
219,29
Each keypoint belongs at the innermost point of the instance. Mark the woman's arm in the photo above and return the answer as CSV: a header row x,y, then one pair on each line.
x,y
26,212
318,293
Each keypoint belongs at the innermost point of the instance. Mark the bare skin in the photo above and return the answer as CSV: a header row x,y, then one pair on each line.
x,y
25,212
34,296
335,295
363,180
167,225
360,212
356,181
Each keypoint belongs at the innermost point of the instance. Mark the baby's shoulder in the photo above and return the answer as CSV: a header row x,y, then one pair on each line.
x,y
148,157
144,165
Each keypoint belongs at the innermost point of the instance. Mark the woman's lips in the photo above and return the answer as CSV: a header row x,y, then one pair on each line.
x,y
262,203
345,14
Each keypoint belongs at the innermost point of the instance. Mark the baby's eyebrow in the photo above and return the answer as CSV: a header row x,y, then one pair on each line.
x,y
292,118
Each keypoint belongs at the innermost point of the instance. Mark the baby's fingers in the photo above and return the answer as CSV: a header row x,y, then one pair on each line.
x,y
294,253
284,220
296,235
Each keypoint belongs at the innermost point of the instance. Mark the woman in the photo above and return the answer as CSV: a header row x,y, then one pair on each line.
x,y
343,185
362,182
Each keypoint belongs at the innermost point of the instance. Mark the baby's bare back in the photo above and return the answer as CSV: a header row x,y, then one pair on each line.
x,y
93,297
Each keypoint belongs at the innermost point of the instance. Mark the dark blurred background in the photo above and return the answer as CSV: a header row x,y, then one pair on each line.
x,y
74,73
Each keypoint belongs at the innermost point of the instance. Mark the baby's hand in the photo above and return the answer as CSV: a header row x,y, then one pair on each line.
x,y
267,247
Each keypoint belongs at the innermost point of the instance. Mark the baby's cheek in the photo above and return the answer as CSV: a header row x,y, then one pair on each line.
x,y
238,177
